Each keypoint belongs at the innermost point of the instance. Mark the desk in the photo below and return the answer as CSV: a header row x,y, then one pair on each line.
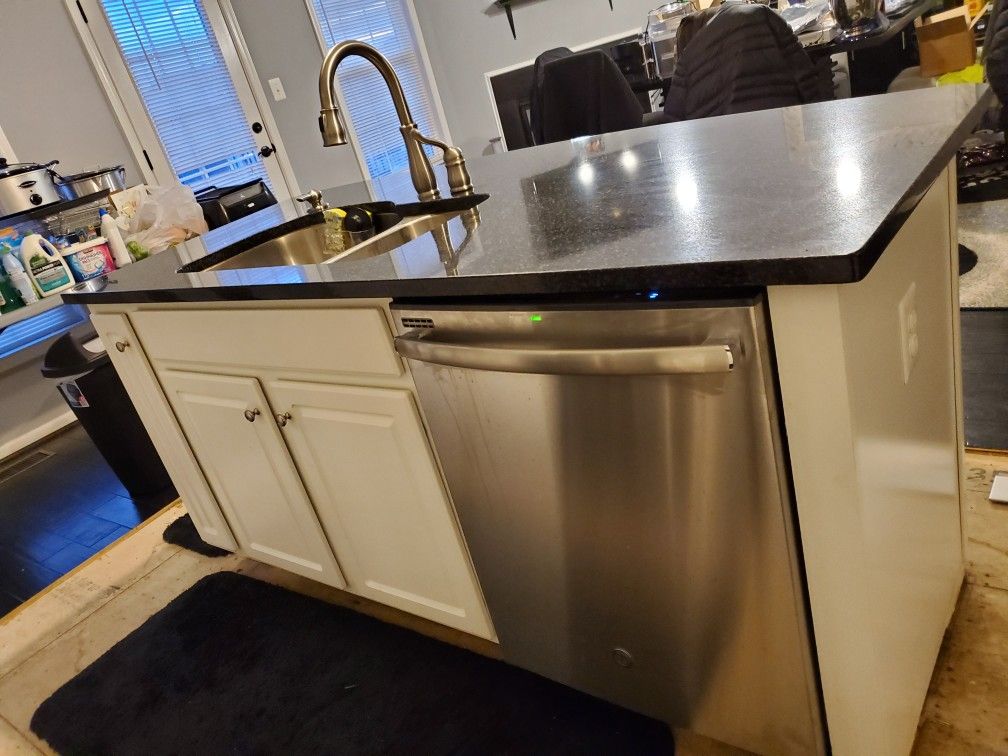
x,y
895,29
874,59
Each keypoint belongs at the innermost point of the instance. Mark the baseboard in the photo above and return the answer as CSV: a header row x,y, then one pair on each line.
x,y
35,435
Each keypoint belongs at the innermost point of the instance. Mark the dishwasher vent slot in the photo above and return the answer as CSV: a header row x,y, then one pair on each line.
x,y
417,322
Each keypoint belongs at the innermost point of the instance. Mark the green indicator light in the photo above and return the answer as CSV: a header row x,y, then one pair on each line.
x,y
535,318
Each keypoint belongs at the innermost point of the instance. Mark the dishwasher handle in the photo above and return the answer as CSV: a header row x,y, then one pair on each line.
x,y
661,360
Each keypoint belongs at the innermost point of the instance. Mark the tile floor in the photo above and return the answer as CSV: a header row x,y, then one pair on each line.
x,y
59,512
60,632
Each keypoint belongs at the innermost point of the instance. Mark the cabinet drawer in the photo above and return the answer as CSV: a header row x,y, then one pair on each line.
x,y
352,340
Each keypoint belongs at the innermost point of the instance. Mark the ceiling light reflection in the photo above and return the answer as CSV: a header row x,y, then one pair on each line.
x,y
848,177
686,192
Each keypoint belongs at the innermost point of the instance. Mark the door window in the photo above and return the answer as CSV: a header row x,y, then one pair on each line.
x,y
387,26
175,62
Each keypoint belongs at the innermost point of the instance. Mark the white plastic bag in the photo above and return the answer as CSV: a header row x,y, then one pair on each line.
x,y
169,215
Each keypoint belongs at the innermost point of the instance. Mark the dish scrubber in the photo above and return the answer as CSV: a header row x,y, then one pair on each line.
x,y
345,227
333,236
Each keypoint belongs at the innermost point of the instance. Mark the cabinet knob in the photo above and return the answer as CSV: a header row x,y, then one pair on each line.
x,y
283,417
121,346
252,414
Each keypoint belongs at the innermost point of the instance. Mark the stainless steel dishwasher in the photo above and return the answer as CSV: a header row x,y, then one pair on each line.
x,y
618,477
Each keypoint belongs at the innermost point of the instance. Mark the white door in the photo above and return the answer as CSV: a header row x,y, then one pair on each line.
x,y
365,460
237,443
174,75
138,377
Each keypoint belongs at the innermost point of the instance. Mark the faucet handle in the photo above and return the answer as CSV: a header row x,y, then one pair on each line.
x,y
313,198
459,181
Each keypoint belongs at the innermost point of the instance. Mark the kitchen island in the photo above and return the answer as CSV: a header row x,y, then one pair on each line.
x,y
787,277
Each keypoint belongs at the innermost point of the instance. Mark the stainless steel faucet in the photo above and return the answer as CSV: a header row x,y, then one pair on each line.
x,y
334,131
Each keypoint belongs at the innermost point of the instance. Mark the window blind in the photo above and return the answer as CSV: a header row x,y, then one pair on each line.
x,y
385,25
176,64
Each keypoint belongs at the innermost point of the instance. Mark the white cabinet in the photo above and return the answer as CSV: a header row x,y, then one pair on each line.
x,y
365,460
236,440
141,384
298,433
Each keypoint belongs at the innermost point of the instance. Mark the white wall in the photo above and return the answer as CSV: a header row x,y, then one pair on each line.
x,y
30,406
464,43
51,105
283,44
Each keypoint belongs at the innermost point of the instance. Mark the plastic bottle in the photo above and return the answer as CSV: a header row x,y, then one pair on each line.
x,y
16,272
110,230
45,266
9,297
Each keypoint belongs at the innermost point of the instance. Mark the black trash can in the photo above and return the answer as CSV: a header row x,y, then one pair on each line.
x,y
95,394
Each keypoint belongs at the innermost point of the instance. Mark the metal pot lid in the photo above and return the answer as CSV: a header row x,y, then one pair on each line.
x,y
91,174
13,169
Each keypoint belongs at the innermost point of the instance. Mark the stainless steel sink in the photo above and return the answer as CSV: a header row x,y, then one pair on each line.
x,y
395,237
306,245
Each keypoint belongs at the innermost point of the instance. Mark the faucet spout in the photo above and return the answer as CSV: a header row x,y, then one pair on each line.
x,y
334,130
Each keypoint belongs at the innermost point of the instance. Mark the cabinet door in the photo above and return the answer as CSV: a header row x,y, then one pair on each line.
x,y
364,457
236,440
141,384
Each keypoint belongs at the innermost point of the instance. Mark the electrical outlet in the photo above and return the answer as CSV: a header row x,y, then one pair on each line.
x,y
276,87
909,335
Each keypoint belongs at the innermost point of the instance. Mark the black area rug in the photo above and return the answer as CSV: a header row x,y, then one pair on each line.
x,y
967,260
985,378
182,532
235,665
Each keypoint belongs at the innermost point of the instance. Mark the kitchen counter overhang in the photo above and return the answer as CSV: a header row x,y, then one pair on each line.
x,y
802,195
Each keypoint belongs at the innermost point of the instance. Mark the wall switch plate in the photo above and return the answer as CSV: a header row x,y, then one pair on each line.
x,y
909,337
276,87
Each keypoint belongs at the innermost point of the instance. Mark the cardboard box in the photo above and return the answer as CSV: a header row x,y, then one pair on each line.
x,y
946,42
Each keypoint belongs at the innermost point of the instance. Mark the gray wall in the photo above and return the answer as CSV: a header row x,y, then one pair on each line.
x,y
283,44
51,105
463,43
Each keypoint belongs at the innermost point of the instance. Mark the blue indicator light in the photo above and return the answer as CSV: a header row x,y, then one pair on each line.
x,y
652,295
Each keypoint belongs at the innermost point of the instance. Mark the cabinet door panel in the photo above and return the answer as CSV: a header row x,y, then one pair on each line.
x,y
365,459
251,472
141,384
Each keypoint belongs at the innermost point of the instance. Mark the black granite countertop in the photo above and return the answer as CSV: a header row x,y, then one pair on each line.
x,y
802,195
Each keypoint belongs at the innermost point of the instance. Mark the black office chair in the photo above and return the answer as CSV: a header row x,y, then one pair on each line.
x,y
584,94
535,94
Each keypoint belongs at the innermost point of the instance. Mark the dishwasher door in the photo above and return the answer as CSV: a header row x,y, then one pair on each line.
x,y
617,475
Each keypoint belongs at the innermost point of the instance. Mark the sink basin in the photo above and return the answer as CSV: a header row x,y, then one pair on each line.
x,y
302,242
395,237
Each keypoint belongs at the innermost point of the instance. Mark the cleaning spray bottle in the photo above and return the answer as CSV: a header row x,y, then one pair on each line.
x,y
45,266
16,273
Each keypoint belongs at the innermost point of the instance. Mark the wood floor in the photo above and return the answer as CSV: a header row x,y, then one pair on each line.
x,y
985,378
